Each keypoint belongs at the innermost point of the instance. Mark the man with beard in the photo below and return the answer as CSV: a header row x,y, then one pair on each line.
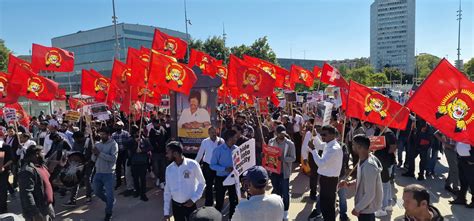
x,y
247,130
240,135
36,191
105,157
184,184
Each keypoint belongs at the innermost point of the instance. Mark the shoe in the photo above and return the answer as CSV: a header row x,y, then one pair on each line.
x,y
157,183
315,215
388,208
470,205
285,215
381,213
344,217
421,178
144,198
458,201
399,165
408,175
136,194
108,217
70,204
448,188
162,185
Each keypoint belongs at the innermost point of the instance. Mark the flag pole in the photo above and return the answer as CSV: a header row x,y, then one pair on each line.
x,y
391,121
259,123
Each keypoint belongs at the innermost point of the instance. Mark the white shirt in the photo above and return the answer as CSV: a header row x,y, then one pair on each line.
x,y
48,142
207,148
148,128
298,122
201,115
183,183
22,150
318,144
463,149
330,163
261,208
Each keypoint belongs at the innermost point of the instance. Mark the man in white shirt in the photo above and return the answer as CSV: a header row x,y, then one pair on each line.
x,y
259,207
184,184
25,143
329,169
194,117
205,154
298,122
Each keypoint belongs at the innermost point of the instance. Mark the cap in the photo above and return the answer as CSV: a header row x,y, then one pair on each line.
x,y
280,129
206,214
257,176
120,123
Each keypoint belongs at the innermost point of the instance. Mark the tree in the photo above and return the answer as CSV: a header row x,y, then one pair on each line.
x,y
362,74
196,44
469,68
425,63
377,79
215,47
393,74
3,56
259,49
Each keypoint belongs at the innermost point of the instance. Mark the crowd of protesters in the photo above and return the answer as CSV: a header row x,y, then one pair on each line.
x,y
121,151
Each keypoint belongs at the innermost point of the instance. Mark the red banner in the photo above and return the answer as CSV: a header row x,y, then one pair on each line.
x,y
272,158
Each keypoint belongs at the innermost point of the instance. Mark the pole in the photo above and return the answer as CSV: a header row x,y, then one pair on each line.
x,y
459,35
186,25
114,20
391,121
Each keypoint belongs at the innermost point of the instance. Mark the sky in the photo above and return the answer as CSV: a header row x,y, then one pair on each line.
x,y
310,29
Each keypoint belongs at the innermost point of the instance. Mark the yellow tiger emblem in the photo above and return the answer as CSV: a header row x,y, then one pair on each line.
x,y
375,105
457,109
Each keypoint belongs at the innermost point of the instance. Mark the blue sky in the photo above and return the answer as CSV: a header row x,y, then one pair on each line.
x,y
321,29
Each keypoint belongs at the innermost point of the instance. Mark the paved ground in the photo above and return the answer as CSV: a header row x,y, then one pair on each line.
x,y
132,209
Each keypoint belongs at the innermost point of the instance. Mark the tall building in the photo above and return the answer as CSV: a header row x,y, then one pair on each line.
x,y
392,35
95,49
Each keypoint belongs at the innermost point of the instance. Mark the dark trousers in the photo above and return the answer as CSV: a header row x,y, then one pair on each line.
x,y
159,163
220,194
180,212
281,187
354,155
3,192
86,181
366,217
466,178
139,178
328,189
210,176
297,139
313,176
121,160
423,152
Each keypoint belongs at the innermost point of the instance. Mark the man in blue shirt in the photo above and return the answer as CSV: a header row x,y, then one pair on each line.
x,y
221,162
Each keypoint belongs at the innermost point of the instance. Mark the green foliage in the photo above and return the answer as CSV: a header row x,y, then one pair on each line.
x,y
259,49
196,44
377,79
425,63
3,56
469,68
215,46
392,73
239,51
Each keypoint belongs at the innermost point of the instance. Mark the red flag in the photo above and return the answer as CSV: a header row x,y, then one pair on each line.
x,y
317,72
21,114
277,72
75,104
138,62
301,76
274,99
52,59
33,86
289,83
12,61
372,106
61,94
119,86
138,93
445,99
331,75
205,62
95,84
173,75
169,45
249,79
5,86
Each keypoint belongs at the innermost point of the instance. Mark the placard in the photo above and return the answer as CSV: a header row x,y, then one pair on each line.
x,y
72,116
263,106
323,113
9,114
290,96
243,157
377,143
272,158
98,110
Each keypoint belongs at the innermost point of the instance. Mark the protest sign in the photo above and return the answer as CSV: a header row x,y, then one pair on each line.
x,y
263,106
72,116
323,113
98,110
9,114
243,157
272,159
377,143
290,97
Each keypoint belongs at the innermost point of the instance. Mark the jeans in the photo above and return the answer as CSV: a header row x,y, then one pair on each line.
x,y
139,178
281,187
387,194
453,174
432,160
366,217
158,161
210,176
402,146
104,189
